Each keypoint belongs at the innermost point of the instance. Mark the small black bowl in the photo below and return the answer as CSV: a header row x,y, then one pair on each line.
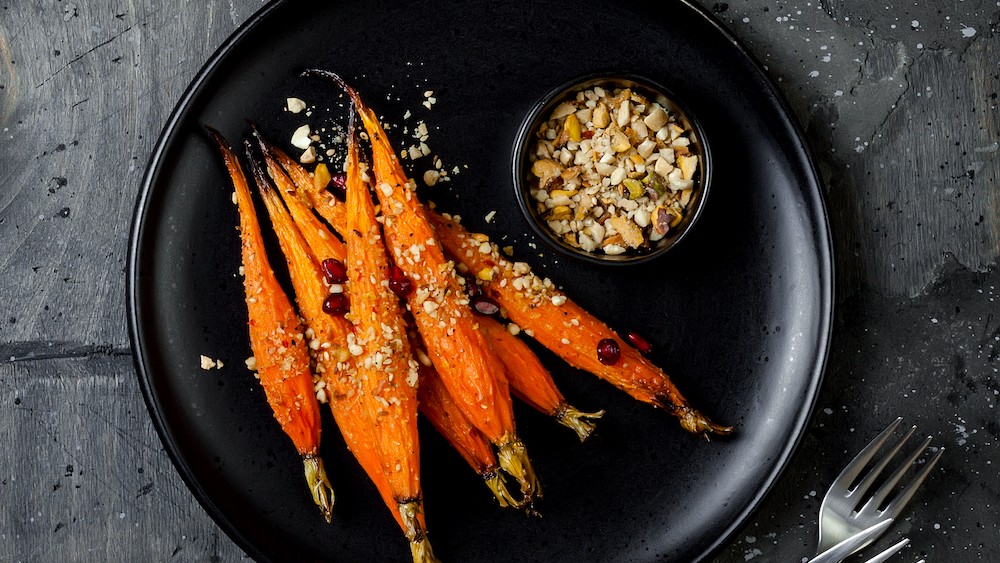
x,y
650,89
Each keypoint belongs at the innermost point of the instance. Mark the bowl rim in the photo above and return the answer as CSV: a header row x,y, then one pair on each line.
x,y
531,120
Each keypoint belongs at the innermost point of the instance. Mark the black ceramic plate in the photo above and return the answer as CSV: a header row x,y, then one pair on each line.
x,y
740,313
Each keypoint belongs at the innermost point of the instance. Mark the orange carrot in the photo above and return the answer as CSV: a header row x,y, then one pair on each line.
x,y
532,383
468,367
384,364
565,328
440,410
277,341
332,339
328,335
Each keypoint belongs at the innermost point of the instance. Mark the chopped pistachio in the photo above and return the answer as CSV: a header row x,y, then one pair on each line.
x,y
633,188
657,182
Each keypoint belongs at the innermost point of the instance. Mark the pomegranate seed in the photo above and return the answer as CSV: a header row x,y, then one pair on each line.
x,y
398,282
639,342
471,287
338,184
335,304
334,271
608,352
485,306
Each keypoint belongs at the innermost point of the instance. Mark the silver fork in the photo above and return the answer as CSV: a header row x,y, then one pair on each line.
x,y
885,555
842,513
839,552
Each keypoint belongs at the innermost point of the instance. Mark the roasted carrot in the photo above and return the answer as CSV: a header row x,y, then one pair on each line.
x,y
532,383
384,363
468,367
565,328
332,339
440,410
278,342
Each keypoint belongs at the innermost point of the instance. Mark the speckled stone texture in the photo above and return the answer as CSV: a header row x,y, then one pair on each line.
x,y
898,101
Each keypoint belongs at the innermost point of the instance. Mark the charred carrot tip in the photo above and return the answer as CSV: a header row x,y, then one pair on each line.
x,y
263,182
265,147
219,139
223,145
319,73
329,75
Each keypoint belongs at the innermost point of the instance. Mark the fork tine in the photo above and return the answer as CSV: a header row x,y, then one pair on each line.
x,y
866,483
854,468
881,557
889,485
896,506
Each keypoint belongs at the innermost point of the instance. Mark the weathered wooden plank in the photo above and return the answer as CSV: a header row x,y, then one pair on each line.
x,y
85,477
86,90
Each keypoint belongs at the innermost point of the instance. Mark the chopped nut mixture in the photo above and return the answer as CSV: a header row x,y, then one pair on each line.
x,y
612,171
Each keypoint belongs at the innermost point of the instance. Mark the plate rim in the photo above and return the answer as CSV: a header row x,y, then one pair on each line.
x,y
826,274
814,195
132,281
